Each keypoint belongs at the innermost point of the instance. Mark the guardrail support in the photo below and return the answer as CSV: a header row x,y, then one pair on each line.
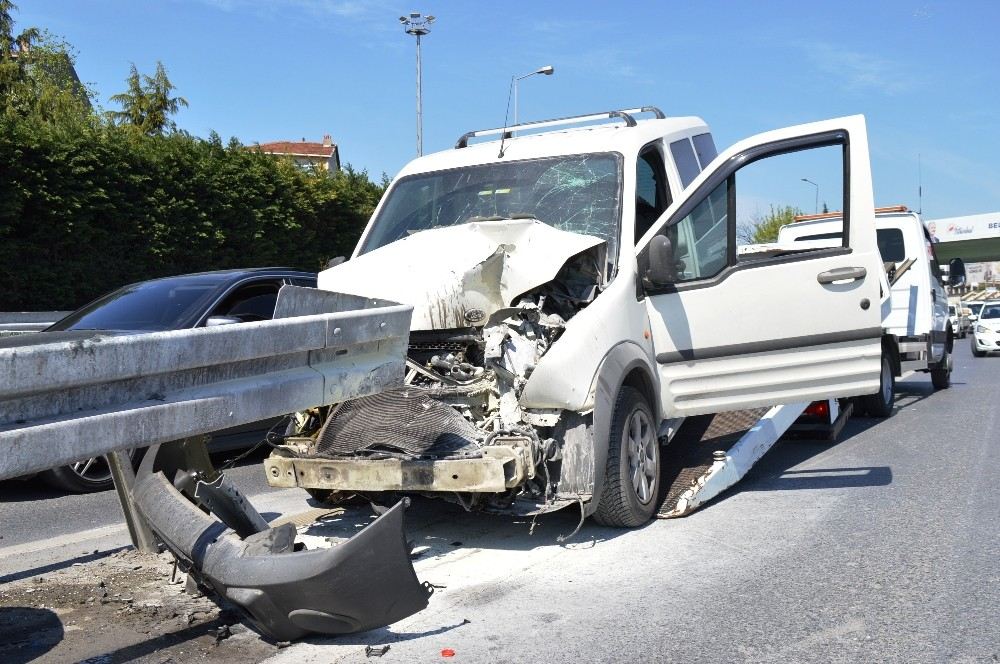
x,y
123,475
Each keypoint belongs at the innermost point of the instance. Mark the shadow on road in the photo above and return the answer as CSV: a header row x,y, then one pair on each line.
x,y
825,478
774,471
380,636
444,527
28,633
62,564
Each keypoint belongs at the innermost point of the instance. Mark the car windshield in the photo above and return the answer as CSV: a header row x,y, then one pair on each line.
x,y
150,306
579,194
975,307
991,311
951,310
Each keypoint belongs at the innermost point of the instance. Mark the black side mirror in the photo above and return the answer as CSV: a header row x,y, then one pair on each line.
x,y
334,262
956,272
662,266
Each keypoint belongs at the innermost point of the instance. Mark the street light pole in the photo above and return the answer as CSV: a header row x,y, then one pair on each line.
x,y
418,26
547,70
816,205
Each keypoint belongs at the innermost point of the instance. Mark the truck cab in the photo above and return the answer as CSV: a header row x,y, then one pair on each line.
x,y
918,332
578,291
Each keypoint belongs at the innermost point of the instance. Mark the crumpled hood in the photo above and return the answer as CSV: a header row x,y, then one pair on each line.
x,y
458,276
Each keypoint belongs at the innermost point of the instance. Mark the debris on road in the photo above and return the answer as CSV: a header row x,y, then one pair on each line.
x,y
376,651
119,608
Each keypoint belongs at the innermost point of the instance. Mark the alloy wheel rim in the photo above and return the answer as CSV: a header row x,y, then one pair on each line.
x,y
94,469
641,456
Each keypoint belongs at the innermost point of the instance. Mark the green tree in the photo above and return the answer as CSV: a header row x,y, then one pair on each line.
x,y
147,104
37,74
12,64
765,229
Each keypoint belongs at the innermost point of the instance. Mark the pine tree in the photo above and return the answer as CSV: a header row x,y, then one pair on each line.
x,y
147,104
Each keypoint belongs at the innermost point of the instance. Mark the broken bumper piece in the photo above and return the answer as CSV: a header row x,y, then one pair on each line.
x,y
500,467
363,583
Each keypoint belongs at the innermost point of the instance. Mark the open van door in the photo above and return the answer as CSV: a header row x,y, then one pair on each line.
x,y
736,329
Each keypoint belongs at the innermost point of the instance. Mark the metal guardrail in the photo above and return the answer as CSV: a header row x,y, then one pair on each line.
x,y
13,323
64,400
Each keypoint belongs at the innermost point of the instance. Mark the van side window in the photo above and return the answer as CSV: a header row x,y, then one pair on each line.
x,y
652,196
701,238
704,146
687,164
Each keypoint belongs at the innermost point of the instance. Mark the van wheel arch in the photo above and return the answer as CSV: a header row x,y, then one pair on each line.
x,y
626,365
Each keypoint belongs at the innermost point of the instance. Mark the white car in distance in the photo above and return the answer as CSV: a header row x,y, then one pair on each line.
x,y
986,331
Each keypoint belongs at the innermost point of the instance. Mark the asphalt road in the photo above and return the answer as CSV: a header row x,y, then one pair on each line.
x,y
882,547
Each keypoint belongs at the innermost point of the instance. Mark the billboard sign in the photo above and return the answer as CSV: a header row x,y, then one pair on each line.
x,y
971,227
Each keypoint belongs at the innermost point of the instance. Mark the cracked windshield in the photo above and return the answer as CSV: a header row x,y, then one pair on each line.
x,y
579,194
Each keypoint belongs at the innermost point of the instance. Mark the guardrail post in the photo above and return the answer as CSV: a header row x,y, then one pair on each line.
x,y
143,538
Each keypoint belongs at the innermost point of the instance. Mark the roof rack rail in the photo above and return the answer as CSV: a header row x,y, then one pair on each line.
x,y
625,115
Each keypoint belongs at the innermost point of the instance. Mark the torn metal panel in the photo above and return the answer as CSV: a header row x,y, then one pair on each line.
x,y
458,276
363,583
457,426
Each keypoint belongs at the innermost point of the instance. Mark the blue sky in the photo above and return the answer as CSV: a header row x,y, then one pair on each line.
x,y
926,74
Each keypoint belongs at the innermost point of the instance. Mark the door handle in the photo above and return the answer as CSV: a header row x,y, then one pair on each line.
x,y
842,274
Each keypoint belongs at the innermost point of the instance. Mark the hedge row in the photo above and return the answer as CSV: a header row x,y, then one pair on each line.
x,y
87,208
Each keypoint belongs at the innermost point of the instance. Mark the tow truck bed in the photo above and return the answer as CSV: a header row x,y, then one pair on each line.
x,y
710,453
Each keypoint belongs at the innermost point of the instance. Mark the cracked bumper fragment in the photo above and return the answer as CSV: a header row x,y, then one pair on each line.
x,y
363,583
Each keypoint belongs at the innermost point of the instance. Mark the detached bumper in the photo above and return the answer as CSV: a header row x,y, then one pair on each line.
x,y
364,583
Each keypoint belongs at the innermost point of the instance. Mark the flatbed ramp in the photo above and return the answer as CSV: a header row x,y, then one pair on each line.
x,y
710,453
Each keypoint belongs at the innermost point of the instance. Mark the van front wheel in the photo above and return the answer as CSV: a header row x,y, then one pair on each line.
x,y
632,474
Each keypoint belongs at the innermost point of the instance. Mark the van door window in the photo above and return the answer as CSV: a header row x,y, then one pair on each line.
x,y
771,193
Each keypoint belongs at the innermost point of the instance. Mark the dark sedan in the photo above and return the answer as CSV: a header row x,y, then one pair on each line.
x,y
175,303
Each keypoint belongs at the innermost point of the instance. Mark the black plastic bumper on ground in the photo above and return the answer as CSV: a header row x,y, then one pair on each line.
x,y
364,583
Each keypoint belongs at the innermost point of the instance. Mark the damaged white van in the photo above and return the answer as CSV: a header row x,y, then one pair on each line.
x,y
577,292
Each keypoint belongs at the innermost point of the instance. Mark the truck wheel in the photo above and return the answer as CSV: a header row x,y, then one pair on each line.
x,y
632,474
941,374
880,404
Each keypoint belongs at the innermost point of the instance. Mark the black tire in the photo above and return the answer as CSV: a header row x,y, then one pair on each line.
x,y
859,407
629,496
880,404
941,374
975,351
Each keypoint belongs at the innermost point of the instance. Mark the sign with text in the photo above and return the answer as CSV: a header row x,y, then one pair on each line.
x,y
971,227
